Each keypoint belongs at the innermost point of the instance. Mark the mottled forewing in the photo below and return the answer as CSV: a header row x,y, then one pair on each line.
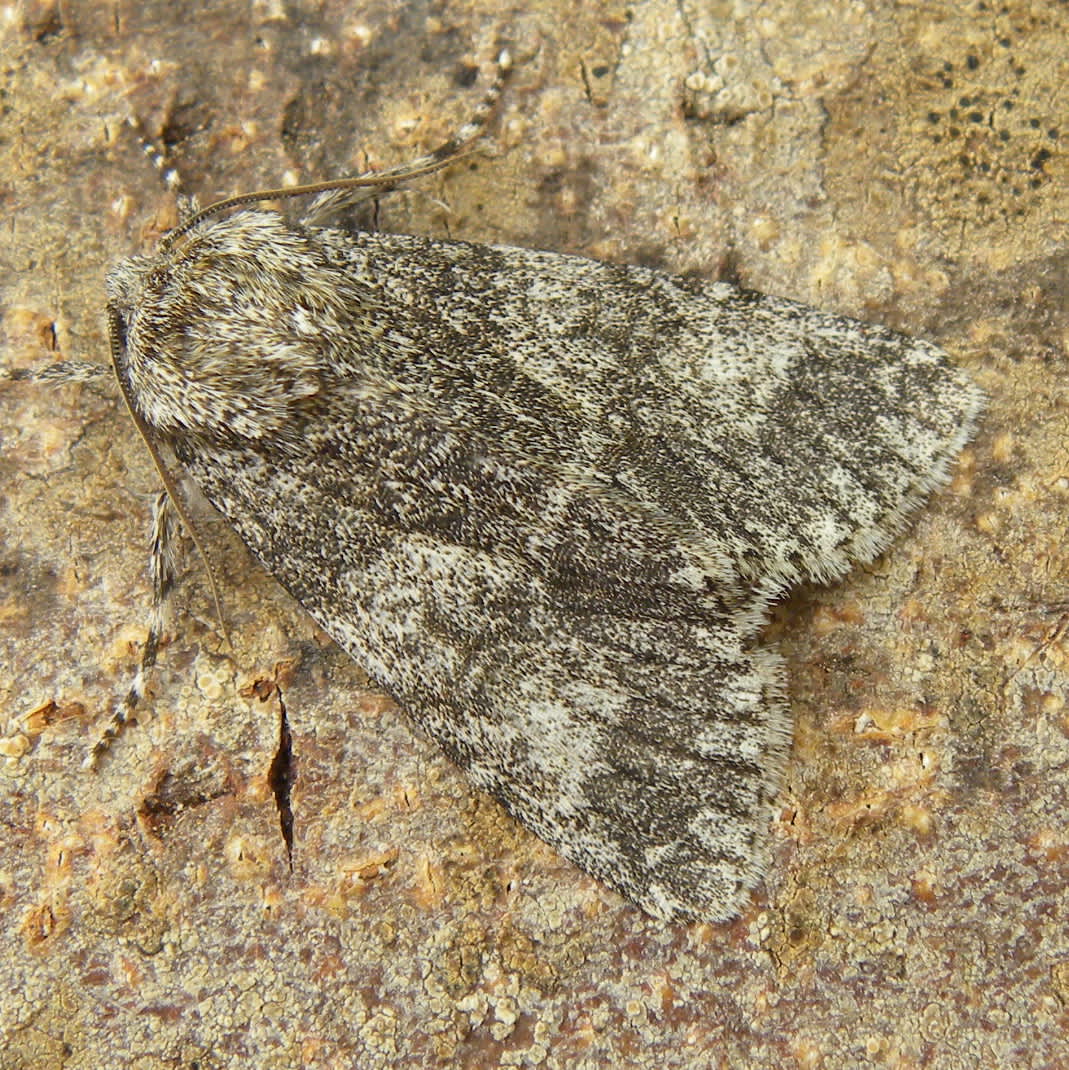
x,y
794,441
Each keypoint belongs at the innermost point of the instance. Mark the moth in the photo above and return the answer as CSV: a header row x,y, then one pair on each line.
x,y
545,502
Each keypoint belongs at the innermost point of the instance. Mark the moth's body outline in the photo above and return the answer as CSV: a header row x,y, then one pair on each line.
x,y
559,565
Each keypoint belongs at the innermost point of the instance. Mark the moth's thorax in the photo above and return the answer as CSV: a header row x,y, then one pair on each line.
x,y
225,332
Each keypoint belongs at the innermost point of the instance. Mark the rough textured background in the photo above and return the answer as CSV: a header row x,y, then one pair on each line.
x,y
899,162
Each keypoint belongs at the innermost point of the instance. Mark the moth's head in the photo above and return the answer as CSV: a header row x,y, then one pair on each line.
x,y
216,335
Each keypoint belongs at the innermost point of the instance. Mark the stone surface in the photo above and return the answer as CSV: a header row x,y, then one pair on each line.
x,y
898,162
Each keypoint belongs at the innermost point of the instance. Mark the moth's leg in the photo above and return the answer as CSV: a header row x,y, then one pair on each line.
x,y
163,569
63,371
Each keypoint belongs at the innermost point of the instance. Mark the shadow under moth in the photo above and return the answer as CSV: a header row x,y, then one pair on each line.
x,y
543,501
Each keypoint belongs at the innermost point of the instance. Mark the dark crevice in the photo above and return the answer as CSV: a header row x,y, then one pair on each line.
x,y
281,776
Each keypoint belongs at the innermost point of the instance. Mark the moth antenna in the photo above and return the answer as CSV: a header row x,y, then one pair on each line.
x,y
157,156
164,573
170,177
446,153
